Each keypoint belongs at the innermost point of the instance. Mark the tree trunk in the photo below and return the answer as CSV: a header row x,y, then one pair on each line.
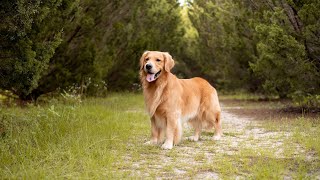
x,y
30,98
293,17
297,25
82,87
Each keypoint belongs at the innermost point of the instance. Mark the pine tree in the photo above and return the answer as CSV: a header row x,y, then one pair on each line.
x,y
30,34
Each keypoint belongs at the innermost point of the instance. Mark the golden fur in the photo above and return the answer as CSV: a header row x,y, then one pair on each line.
x,y
171,101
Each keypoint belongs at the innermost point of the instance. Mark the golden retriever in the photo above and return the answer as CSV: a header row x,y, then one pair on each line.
x,y
171,101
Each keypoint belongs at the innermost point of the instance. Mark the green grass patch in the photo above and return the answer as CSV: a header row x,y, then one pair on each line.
x,y
66,140
306,131
244,96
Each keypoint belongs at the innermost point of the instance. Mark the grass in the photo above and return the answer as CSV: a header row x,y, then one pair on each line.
x,y
103,138
244,96
306,131
69,140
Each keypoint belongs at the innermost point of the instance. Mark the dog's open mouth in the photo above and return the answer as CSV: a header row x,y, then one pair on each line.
x,y
153,77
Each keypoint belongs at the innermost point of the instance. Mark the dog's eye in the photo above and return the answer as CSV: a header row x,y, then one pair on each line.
x,y
147,59
158,60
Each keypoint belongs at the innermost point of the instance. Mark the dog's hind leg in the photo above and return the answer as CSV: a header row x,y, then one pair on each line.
x,y
217,127
196,124
161,135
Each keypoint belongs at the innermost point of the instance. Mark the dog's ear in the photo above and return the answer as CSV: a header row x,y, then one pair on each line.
x,y
169,62
142,59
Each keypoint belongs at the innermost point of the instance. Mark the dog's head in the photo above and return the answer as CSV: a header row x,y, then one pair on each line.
x,y
153,64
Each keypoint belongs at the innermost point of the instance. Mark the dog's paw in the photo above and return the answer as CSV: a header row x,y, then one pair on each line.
x,y
167,145
193,138
216,137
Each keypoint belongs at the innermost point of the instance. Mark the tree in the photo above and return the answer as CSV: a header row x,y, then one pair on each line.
x,y
265,46
90,47
30,34
50,45
282,62
226,42
54,45
153,26
285,61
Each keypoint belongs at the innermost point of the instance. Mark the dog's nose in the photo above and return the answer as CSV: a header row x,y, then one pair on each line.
x,y
148,66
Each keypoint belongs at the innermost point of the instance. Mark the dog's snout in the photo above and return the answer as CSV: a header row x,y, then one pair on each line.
x,y
148,66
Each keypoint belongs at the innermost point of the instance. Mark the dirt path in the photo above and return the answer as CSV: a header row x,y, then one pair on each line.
x,y
245,142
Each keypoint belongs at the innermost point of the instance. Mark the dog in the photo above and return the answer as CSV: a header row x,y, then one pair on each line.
x,y
171,101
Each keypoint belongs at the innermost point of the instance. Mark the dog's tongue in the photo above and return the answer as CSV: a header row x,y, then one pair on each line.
x,y
150,77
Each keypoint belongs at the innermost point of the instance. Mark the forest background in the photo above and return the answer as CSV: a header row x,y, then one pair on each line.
x,y
269,47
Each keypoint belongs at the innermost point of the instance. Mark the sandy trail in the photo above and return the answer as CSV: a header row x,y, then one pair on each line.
x,y
192,159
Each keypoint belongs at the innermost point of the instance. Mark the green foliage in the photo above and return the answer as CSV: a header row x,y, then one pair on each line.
x,y
153,26
281,61
306,100
308,13
225,42
30,34
84,44
267,47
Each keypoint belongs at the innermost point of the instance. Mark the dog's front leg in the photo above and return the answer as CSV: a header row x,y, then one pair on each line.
x,y
154,132
170,130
